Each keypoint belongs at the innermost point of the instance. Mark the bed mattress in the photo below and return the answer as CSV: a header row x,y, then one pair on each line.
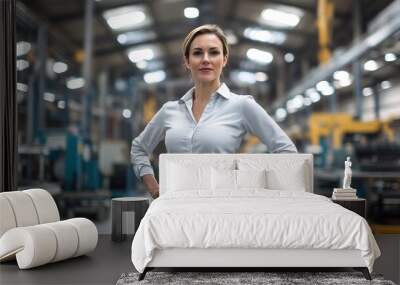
x,y
251,219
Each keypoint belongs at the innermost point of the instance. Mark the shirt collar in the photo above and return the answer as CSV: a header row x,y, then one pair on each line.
x,y
223,90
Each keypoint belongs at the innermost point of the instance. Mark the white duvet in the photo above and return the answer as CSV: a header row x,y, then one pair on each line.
x,y
253,218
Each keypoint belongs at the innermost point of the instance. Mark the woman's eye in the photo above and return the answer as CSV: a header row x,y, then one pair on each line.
x,y
216,52
197,53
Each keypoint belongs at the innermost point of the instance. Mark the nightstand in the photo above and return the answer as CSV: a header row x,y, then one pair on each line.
x,y
358,205
127,212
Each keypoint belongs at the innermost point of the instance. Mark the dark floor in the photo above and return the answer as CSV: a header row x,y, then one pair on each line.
x,y
110,259
102,266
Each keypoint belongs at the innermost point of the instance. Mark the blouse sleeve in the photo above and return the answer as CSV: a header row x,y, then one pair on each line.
x,y
257,122
144,144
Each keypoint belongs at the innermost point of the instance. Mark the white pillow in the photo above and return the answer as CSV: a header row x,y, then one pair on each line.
x,y
251,178
282,174
182,177
278,179
223,179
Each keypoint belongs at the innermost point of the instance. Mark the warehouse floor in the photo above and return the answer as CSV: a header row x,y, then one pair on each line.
x,y
110,259
103,266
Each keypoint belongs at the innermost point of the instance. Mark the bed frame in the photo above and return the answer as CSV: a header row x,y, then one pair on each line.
x,y
256,258
241,259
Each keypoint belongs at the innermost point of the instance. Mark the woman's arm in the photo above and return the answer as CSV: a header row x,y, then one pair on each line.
x,y
142,147
257,121
151,185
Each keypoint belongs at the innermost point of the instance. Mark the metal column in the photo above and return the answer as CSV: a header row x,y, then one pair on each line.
x,y
357,72
66,111
37,86
333,99
137,103
8,98
30,110
87,69
304,66
38,131
377,102
87,93
103,81
281,74
36,108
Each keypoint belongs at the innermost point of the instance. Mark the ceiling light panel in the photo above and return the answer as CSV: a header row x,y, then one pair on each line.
x,y
128,17
261,76
136,37
141,64
61,104
154,77
22,64
367,91
313,95
231,37
243,77
126,113
22,87
281,16
75,83
266,36
23,48
150,65
325,88
191,12
295,104
259,56
49,97
139,55
280,114
371,65
155,64
342,78
289,57
386,84
389,57
60,67
143,53
248,77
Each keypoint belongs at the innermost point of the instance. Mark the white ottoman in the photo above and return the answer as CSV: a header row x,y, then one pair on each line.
x,y
31,232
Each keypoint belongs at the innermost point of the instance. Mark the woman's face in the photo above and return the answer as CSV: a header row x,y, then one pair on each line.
x,y
206,59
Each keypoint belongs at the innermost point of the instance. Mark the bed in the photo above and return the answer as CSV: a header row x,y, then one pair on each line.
x,y
247,210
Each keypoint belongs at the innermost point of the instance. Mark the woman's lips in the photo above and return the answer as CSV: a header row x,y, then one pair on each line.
x,y
205,69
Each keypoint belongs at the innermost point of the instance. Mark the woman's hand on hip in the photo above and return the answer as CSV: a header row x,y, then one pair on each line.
x,y
151,185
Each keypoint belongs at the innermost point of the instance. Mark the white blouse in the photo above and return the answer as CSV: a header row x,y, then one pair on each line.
x,y
224,122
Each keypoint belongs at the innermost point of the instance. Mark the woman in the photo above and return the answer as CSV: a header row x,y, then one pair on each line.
x,y
208,118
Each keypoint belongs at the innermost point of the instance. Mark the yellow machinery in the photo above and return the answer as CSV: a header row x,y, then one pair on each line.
x,y
375,168
249,143
339,124
324,25
149,108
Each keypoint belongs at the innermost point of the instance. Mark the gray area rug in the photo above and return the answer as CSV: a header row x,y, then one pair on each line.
x,y
228,278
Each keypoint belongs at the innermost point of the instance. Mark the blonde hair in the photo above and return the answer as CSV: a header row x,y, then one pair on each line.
x,y
205,29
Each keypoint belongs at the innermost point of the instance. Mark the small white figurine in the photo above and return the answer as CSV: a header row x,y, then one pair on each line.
x,y
347,174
